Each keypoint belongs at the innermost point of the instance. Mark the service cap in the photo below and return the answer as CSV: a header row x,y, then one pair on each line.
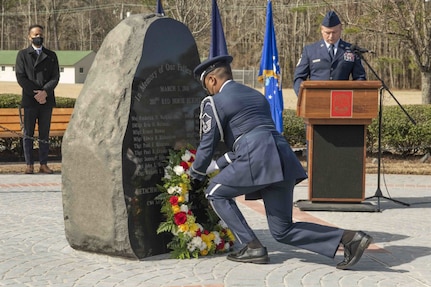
x,y
210,65
331,19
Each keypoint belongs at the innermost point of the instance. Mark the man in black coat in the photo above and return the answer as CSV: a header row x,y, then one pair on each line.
x,y
37,72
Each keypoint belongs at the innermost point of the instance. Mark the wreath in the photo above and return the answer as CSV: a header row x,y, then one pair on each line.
x,y
196,228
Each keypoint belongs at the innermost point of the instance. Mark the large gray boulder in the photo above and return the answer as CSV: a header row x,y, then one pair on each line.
x,y
106,164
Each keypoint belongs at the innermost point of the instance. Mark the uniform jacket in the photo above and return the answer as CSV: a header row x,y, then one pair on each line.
x,y
35,72
316,64
257,153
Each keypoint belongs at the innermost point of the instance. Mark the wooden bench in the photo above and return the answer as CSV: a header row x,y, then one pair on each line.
x,y
9,118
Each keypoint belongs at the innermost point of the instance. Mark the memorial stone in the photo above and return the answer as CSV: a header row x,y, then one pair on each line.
x,y
139,101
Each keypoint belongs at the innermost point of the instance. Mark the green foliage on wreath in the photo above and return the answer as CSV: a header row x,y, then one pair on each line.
x,y
196,228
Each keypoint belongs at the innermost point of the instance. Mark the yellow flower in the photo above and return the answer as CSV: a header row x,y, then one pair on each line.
x,y
208,239
209,244
204,252
230,235
184,177
183,227
184,188
205,238
181,199
211,236
193,228
176,209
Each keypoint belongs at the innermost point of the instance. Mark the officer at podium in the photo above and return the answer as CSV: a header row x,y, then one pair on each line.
x,y
330,58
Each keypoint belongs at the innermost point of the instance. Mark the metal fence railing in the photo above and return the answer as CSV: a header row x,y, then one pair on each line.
x,y
246,77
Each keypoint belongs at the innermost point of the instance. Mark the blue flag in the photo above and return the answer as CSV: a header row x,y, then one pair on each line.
x,y
159,8
218,42
269,71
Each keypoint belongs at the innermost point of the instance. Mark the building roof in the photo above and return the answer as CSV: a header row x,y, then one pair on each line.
x,y
65,58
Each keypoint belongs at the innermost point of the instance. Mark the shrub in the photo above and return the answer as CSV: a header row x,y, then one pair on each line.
x,y
9,101
294,128
399,134
13,101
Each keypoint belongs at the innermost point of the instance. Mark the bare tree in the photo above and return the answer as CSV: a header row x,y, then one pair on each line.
x,y
399,31
409,23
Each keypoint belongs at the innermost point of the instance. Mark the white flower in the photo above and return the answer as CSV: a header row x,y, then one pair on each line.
x,y
226,246
184,208
217,239
222,224
179,170
203,246
174,190
198,243
186,156
191,247
168,171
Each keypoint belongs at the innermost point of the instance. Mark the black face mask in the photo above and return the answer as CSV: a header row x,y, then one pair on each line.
x,y
37,41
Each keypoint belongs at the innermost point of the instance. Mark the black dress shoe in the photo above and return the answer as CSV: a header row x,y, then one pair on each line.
x,y
354,249
250,255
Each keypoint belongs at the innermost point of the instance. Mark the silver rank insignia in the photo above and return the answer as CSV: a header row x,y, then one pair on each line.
x,y
206,123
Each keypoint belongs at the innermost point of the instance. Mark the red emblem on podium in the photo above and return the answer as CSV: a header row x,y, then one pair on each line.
x,y
341,104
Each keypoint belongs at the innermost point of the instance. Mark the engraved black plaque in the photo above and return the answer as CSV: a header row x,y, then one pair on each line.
x,y
164,115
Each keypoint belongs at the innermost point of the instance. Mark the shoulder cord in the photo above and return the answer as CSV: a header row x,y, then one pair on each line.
x,y
210,98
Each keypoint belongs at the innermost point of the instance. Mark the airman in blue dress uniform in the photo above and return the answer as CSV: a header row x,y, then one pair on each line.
x,y
259,164
317,63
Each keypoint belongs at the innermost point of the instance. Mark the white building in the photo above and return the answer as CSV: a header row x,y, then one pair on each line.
x,y
74,65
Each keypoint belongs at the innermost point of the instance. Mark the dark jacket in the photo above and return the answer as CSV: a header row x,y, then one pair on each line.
x,y
35,72
316,64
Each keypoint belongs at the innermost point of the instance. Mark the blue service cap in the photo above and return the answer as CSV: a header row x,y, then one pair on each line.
x,y
331,19
210,65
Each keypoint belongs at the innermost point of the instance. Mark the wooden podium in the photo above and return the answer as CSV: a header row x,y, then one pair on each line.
x,y
337,114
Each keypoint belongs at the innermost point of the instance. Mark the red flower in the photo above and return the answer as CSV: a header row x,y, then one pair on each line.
x,y
206,232
193,151
180,218
198,232
184,165
173,200
221,245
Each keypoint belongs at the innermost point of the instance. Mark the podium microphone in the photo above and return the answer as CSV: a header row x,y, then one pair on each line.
x,y
357,49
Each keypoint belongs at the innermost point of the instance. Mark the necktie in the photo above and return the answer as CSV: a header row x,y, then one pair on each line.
x,y
331,51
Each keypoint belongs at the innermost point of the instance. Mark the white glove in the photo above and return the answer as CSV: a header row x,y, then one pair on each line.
x,y
212,167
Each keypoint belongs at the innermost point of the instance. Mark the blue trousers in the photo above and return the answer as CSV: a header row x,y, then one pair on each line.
x,y
42,116
278,201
